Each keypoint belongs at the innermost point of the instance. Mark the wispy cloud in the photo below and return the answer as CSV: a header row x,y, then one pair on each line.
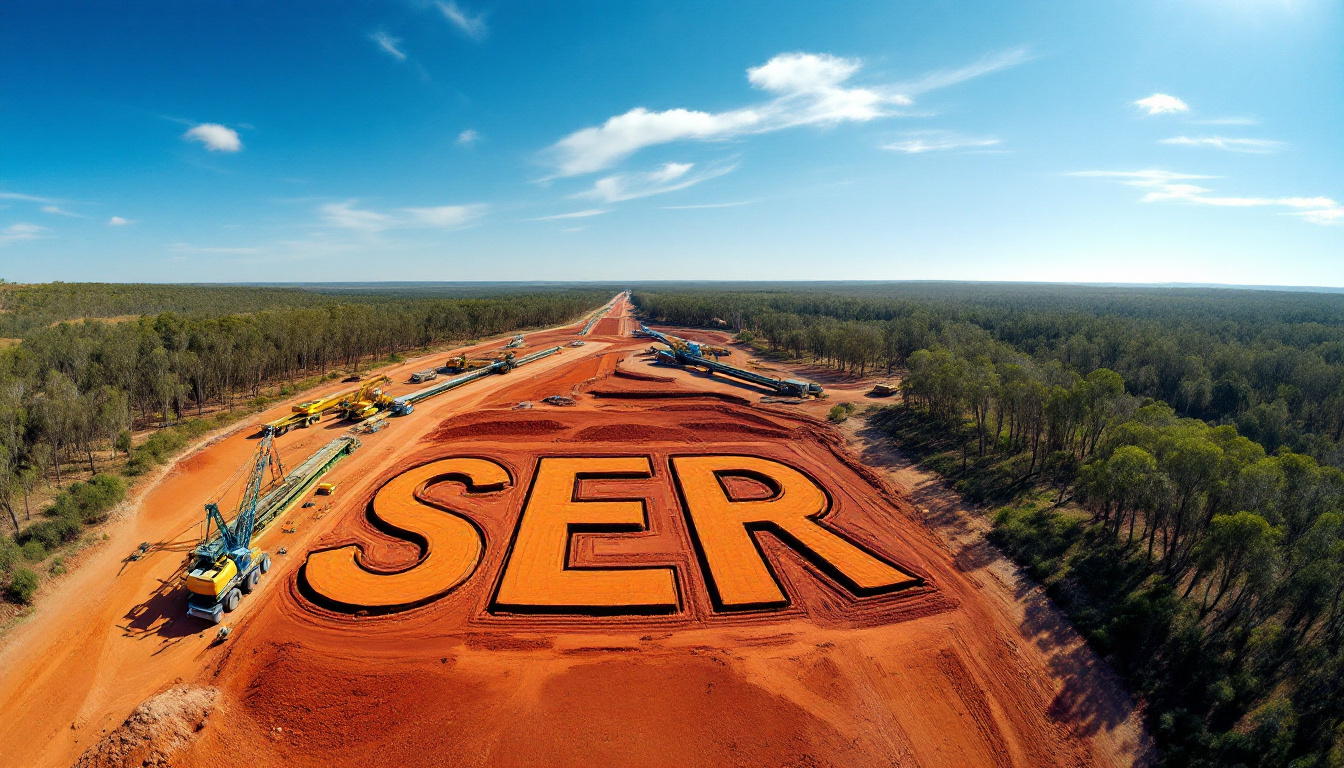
x,y
389,44
472,26
347,215
1228,121
575,214
1162,104
988,64
1166,186
187,248
939,142
1253,146
669,178
117,221
734,204
21,231
57,210
215,137
27,198
446,216
807,89
468,137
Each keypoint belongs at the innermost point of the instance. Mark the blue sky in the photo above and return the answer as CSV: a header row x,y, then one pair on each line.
x,y
1137,141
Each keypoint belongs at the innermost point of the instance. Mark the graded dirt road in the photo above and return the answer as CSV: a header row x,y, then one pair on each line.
x,y
668,572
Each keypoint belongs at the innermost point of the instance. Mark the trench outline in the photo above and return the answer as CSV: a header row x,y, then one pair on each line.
x,y
313,596
497,608
755,529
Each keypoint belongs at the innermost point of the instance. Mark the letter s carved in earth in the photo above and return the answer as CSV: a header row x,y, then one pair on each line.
x,y
450,544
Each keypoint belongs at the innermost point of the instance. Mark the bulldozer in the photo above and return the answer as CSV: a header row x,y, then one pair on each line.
x,y
367,401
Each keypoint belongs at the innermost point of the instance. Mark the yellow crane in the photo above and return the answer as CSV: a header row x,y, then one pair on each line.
x,y
367,400
307,413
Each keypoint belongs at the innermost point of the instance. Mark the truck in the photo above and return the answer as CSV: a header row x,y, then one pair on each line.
x,y
425,375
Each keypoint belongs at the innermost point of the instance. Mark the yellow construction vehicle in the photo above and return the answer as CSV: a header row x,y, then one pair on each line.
x,y
462,363
308,413
366,401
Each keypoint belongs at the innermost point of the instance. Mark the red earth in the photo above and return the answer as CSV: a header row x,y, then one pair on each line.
x,y
939,670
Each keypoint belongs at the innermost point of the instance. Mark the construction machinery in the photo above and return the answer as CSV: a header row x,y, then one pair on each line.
x,y
515,342
425,375
687,354
308,413
405,404
225,565
685,346
366,401
462,363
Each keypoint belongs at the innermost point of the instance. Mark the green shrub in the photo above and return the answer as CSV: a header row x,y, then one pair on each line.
x,y
841,411
33,551
10,555
1037,538
57,566
22,585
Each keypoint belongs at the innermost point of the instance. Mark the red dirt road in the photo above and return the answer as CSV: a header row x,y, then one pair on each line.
x,y
935,671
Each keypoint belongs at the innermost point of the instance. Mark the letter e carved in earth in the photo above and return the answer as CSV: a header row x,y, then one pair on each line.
x,y
538,577
451,546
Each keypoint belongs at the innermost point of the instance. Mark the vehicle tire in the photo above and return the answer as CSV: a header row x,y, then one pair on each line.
x,y
231,600
251,579
265,565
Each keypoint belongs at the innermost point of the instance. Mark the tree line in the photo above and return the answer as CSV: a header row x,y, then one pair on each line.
x,y
74,389
1195,543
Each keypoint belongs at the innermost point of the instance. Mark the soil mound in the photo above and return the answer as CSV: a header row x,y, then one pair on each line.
x,y
499,429
628,433
155,731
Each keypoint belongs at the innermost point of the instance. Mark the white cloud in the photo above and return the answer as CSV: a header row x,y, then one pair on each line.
x,y
187,248
468,137
117,221
989,64
446,215
669,178
1162,104
346,215
1229,121
734,204
938,142
471,26
27,198
1253,146
808,89
575,214
59,211
21,231
389,44
215,137
1165,186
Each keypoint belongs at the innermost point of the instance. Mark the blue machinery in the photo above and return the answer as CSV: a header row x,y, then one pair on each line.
x,y
405,404
686,353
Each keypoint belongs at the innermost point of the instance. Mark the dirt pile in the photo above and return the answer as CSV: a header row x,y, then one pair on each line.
x,y
156,730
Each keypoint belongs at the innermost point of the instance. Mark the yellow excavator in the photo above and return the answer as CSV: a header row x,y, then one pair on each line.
x,y
308,413
366,401
462,363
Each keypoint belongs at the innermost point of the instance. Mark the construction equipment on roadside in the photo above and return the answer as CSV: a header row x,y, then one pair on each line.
x,y
366,401
560,400
515,342
225,565
428,374
462,363
884,390
405,404
678,344
684,357
309,413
